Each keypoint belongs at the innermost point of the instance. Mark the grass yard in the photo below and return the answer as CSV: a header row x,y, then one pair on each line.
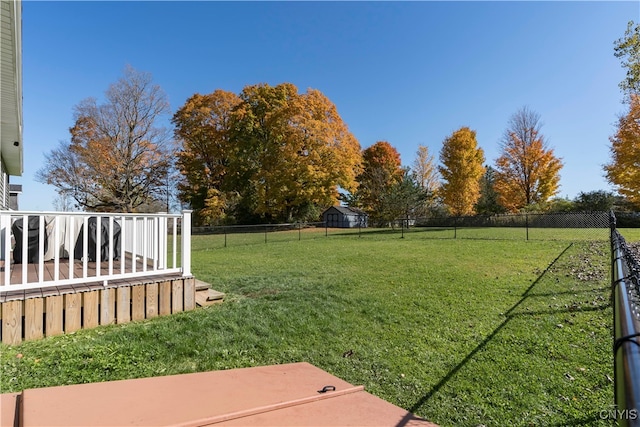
x,y
462,332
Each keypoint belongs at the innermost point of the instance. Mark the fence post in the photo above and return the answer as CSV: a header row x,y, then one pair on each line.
x,y
402,227
225,235
299,231
326,229
526,224
265,234
455,227
186,242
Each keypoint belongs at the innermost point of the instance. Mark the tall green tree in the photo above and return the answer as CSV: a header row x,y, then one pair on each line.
x,y
627,49
381,170
599,200
488,203
118,158
528,172
404,199
461,170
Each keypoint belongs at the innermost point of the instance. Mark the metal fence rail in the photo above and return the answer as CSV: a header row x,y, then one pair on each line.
x,y
625,282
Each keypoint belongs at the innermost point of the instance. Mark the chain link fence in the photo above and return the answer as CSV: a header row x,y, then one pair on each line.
x,y
625,290
562,226
571,226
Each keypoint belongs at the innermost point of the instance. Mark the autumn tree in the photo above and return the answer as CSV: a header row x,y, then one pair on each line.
x,y
267,154
118,158
528,172
381,170
202,126
291,153
461,170
627,49
624,169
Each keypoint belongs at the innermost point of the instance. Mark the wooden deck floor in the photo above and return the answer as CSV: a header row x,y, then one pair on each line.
x,y
91,282
48,272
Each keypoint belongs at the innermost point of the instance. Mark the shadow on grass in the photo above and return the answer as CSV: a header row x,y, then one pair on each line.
x,y
508,316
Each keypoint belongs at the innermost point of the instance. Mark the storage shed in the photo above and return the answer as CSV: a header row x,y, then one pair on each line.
x,y
345,217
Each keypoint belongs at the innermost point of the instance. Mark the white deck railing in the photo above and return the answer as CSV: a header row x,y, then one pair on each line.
x,y
47,249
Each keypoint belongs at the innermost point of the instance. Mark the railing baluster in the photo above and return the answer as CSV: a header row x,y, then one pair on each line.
x,y
155,238
134,235
98,257
56,248
145,248
7,220
85,245
25,241
71,247
175,242
123,228
110,245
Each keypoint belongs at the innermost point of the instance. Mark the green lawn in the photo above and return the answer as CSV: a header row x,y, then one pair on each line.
x,y
463,332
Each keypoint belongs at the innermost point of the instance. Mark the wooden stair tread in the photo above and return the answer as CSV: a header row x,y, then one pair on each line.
x,y
201,286
208,297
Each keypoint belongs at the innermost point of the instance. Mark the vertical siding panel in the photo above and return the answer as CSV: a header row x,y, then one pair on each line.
x,y
152,300
177,295
189,293
90,311
165,298
54,309
72,312
123,308
107,306
33,318
137,304
12,322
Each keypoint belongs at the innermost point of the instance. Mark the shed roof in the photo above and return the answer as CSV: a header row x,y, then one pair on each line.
x,y
347,210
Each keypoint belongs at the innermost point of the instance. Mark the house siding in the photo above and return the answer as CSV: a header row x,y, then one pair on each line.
x,y
4,187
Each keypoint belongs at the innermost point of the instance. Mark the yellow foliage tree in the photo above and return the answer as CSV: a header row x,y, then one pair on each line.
x,y
293,152
202,126
624,169
461,170
527,171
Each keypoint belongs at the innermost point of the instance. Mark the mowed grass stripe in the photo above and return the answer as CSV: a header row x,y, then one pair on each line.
x,y
463,332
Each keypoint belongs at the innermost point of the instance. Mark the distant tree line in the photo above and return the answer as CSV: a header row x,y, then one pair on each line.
x,y
273,154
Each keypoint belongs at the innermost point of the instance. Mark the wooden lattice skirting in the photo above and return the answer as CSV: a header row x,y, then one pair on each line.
x,y
29,315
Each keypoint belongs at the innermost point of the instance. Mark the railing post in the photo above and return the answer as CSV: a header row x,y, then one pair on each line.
x,y
186,242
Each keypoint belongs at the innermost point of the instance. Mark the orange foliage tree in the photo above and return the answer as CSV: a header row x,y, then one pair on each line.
x,y
624,169
527,171
268,154
202,126
117,159
461,170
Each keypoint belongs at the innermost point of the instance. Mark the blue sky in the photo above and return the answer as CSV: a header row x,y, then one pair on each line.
x,y
406,72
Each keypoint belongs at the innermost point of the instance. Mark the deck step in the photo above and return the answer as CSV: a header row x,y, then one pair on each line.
x,y
201,286
208,297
